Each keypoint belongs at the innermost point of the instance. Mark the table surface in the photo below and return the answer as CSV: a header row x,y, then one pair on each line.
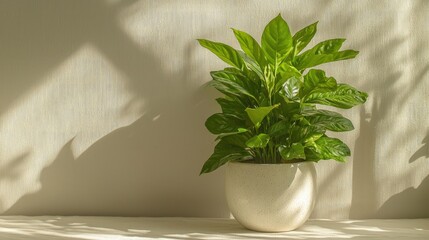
x,y
121,228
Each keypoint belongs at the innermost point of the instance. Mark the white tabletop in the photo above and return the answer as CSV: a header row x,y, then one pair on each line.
x,y
121,228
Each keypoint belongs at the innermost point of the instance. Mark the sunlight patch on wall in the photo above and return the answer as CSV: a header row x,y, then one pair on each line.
x,y
180,52
82,100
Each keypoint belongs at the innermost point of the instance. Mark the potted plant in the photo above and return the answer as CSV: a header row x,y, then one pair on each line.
x,y
271,130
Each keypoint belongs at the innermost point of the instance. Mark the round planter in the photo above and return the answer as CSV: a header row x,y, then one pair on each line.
x,y
271,197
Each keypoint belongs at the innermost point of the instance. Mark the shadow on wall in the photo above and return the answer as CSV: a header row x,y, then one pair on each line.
x,y
423,151
364,186
364,183
38,36
13,169
407,204
134,170
390,99
111,179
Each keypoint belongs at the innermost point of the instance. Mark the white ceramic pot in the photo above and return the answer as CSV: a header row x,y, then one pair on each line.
x,y
271,197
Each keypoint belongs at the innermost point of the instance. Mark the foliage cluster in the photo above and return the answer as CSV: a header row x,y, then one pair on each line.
x,y
271,95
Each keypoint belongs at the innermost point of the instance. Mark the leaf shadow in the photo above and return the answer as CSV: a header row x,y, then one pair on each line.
x,y
134,170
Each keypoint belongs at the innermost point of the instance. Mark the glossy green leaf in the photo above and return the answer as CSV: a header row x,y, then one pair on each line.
x,y
276,41
239,131
223,153
329,120
303,37
279,128
326,47
256,115
231,107
218,159
228,91
309,141
308,61
229,83
252,65
259,141
291,88
295,151
220,123
248,79
344,96
326,148
238,138
251,47
301,133
316,81
285,72
224,52
289,109
319,53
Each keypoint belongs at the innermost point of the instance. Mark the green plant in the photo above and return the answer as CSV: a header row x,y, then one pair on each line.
x,y
269,109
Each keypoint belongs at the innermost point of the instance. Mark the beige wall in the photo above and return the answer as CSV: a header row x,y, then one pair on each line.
x,y
102,105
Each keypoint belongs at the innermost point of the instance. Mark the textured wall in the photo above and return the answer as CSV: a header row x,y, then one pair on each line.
x,y
102,105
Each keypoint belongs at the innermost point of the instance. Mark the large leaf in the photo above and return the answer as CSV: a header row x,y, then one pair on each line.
x,y
302,133
256,115
228,82
223,153
288,109
231,107
279,128
259,141
295,151
303,37
291,88
251,47
344,96
326,47
320,54
250,79
229,92
219,123
238,132
238,138
276,41
252,65
326,148
316,81
284,72
308,61
329,120
224,52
